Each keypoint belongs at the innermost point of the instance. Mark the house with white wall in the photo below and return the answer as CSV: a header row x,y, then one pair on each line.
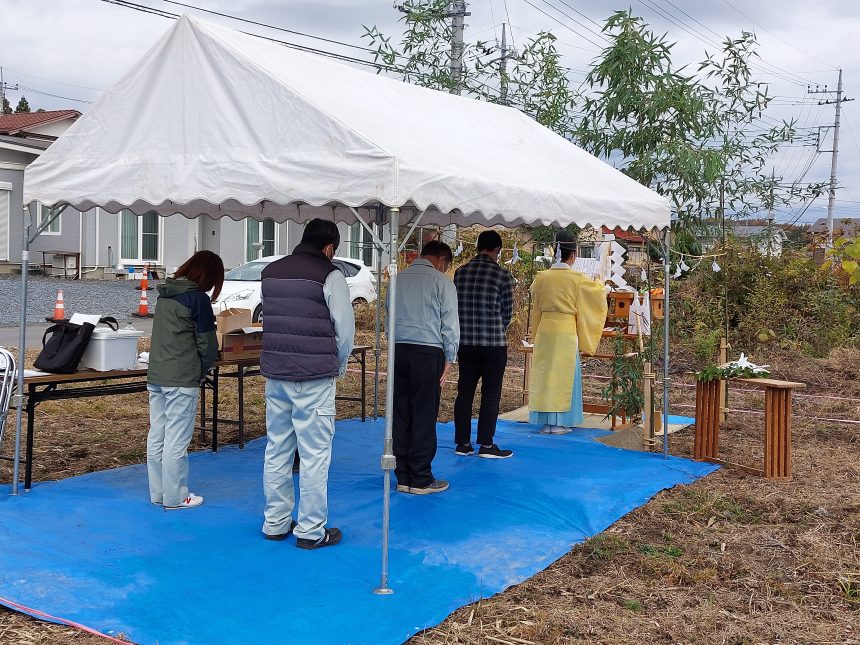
x,y
109,244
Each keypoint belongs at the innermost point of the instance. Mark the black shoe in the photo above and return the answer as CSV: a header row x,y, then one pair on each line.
x,y
279,536
494,452
332,536
464,449
437,486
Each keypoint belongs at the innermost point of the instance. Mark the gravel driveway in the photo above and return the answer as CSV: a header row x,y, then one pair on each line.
x,y
117,298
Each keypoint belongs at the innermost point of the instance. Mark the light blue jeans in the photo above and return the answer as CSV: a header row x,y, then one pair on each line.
x,y
298,416
172,411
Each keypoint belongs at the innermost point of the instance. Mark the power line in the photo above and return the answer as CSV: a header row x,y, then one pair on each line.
x,y
832,68
783,74
127,4
599,34
56,96
49,80
560,42
263,24
566,26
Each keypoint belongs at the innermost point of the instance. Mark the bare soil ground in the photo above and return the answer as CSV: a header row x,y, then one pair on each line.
x,y
731,559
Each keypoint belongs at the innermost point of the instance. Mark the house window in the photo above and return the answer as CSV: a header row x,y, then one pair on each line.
x,y
5,192
259,238
44,215
360,244
139,236
586,250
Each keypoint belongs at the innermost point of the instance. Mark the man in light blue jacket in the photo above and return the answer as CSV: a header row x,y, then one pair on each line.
x,y
426,339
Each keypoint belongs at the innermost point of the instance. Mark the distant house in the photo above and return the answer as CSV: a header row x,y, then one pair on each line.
x,y
111,243
767,239
637,246
842,227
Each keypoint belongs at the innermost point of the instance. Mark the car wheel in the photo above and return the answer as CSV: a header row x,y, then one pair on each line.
x,y
258,314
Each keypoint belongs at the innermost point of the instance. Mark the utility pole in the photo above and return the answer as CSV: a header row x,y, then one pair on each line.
x,y
835,151
3,87
503,68
458,13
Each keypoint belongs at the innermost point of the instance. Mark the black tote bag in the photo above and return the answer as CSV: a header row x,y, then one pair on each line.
x,y
62,352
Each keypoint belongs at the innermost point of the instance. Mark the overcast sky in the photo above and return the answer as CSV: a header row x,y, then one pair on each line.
x,y
57,51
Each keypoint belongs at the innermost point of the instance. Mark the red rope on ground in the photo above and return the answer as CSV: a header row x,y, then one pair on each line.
x,y
797,394
40,614
759,412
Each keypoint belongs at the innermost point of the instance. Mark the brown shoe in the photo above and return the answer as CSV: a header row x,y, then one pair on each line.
x,y
437,486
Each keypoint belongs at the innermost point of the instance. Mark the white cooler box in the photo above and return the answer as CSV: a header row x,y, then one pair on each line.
x,y
111,350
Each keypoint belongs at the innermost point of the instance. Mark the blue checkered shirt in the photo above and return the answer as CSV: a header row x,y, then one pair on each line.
x,y
485,300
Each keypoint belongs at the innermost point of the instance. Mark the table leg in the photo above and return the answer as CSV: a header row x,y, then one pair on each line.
x,y
215,409
527,368
240,369
31,418
363,361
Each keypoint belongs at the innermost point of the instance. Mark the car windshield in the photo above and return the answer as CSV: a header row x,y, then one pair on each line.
x,y
348,269
250,272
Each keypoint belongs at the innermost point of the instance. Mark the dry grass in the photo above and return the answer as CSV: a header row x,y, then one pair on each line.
x,y
731,559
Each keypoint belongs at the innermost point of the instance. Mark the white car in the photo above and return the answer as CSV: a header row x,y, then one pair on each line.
x,y
242,284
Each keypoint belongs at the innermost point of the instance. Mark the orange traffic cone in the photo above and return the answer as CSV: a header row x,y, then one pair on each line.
x,y
144,281
142,307
59,307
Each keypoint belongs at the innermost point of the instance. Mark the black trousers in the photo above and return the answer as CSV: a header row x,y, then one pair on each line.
x,y
486,364
417,370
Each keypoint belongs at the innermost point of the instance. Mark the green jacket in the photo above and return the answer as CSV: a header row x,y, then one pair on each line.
x,y
184,345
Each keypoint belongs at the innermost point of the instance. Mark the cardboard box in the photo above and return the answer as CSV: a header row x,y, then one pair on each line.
x,y
241,343
230,320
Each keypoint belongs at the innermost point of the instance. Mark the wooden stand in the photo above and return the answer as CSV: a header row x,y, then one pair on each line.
x,y
777,425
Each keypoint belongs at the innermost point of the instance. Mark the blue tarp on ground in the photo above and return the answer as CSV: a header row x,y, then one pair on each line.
x,y
93,550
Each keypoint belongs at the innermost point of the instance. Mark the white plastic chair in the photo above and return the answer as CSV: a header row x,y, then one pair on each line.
x,y
7,386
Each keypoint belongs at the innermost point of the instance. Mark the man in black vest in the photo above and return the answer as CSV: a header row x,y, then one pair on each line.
x,y
307,339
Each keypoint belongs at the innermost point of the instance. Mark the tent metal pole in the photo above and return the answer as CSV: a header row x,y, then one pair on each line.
x,y
22,344
378,346
666,379
411,231
388,460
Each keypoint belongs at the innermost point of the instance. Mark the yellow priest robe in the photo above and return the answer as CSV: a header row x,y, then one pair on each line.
x,y
569,313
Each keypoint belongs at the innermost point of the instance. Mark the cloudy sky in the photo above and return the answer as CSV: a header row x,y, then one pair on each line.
x,y
63,53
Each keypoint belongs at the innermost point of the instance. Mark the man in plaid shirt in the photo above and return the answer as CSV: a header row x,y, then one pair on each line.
x,y
485,303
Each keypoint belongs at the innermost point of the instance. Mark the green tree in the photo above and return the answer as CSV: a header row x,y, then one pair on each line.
x,y
691,136
23,107
7,109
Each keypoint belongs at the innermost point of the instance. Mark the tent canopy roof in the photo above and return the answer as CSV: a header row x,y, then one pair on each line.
x,y
214,121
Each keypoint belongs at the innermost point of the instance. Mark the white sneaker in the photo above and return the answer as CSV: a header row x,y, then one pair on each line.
x,y
192,501
547,429
559,430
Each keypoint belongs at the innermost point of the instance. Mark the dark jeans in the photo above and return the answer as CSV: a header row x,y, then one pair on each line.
x,y
486,364
417,370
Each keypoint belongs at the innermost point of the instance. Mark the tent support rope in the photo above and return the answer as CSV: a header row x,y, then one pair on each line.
x,y
411,231
378,245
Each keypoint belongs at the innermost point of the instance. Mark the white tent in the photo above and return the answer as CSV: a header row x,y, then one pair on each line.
x,y
212,121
